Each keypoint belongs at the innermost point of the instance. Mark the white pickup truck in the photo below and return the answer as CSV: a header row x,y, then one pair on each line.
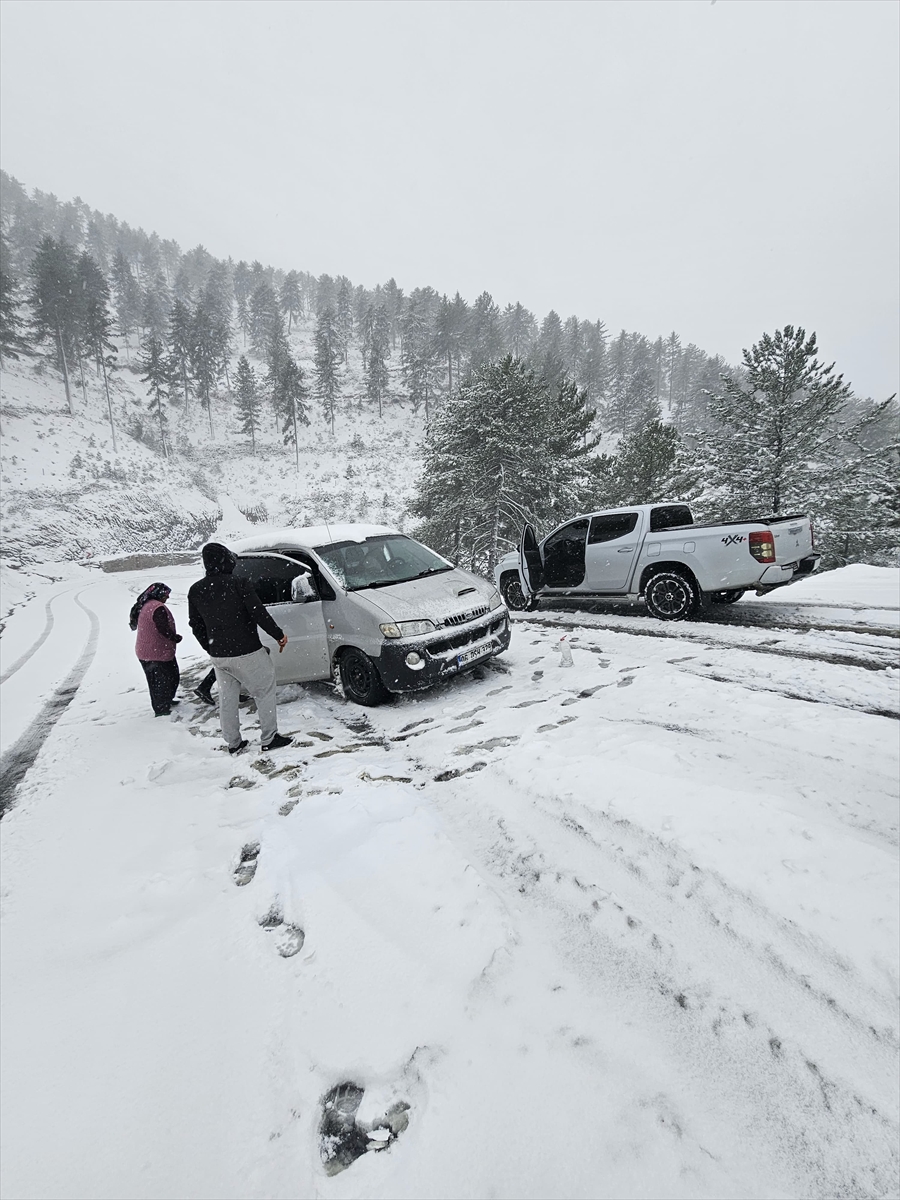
x,y
655,551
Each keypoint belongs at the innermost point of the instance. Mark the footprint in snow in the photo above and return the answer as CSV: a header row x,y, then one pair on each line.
x,y
290,938
628,679
463,728
246,868
537,674
496,692
343,1139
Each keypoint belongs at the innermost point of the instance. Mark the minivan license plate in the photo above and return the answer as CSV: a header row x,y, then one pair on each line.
x,y
476,652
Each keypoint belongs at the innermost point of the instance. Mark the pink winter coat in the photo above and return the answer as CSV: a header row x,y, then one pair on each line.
x,y
152,644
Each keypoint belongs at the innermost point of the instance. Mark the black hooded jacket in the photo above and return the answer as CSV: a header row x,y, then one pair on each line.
x,y
225,611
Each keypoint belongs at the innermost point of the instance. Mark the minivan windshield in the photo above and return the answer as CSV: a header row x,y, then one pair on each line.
x,y
380,561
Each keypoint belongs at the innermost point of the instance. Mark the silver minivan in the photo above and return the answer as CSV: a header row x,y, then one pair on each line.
x,y
379,607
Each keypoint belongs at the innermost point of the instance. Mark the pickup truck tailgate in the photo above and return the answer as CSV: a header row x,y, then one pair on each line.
x,y
793,538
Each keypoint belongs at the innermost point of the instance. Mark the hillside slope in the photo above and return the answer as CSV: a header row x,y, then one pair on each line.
x,y
67,494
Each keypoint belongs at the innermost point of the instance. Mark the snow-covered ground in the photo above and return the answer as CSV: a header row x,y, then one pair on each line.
x,y
626,928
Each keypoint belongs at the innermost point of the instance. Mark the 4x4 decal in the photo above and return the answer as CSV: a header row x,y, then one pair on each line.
x,y
733,539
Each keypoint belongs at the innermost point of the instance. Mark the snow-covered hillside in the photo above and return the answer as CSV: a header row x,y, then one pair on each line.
x,y
67,495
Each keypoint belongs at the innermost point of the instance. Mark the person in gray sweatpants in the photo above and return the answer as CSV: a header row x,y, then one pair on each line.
x,y
224,612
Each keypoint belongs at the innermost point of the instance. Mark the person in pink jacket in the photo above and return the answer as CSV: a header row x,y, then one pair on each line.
x,y
155,646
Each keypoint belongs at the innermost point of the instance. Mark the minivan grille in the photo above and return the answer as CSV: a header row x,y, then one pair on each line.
x,y
463,617
469,637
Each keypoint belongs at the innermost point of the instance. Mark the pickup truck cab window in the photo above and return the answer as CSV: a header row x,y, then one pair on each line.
x,y
564,555
610,526
670,516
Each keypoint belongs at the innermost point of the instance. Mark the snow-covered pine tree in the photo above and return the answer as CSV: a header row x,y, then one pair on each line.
x,y
519,330
246,398
96,324
344,312
293,399
508,447
328,353
13,340
419,352
128,300
778,430
485,332
180,342
291,298
205,356
156,367
157,306
378,351
54,303
264,312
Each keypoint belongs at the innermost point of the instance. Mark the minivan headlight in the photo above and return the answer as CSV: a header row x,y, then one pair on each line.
x,y
496,600
402,629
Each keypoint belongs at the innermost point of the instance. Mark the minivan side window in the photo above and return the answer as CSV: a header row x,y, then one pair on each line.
x,y
670,516
271,577
611,526
326,591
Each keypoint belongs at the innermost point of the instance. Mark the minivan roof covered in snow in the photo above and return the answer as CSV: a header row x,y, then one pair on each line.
x,y
310,537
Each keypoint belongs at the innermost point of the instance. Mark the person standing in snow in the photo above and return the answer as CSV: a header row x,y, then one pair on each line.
x,y
224,613
155,646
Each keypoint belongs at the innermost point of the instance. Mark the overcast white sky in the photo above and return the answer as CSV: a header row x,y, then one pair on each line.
x,y
715,168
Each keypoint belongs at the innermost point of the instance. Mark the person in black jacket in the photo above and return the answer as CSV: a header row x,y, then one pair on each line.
x,y
224,612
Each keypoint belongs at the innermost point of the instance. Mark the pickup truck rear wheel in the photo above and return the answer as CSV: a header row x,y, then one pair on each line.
x,y
359,675
671,596
511,591
728,597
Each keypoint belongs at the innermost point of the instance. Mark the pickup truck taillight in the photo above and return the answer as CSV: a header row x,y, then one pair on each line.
x,y
762,546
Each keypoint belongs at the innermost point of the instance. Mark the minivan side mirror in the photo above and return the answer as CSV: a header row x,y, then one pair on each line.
x,y
302,590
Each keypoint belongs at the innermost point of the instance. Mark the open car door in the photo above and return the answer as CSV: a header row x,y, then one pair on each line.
x,y
531,568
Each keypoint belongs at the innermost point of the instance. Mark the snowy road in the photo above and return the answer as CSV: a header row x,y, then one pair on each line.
x,y
627,928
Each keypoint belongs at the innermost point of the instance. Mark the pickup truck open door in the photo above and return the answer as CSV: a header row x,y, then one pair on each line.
x,y
531,567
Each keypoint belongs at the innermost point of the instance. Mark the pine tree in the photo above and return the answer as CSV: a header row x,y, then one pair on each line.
x,y
377,354
247,404
291,298
204,358
180,343
650,465
328,353
485,332
418,356
778,429
519,330
54,303
508,447
344,312
293,400
264,313
128,298
157,306
154,362
96,324
12,334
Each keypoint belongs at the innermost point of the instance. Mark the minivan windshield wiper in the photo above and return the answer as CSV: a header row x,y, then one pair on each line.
x,y
380,583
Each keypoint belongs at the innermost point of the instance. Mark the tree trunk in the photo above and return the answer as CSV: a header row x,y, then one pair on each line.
x,y
65,367
296,439
112,424
81,373
162,431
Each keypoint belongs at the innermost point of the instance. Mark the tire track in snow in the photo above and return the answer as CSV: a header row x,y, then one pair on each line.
x,y
21,661
17,760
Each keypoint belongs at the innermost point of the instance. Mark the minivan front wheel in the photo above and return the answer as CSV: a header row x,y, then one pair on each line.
x,y
361,681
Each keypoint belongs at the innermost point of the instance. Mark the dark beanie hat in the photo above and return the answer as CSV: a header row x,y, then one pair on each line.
x,y
218,559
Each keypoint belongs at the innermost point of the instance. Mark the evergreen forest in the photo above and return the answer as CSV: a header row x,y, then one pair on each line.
x,y
515,416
